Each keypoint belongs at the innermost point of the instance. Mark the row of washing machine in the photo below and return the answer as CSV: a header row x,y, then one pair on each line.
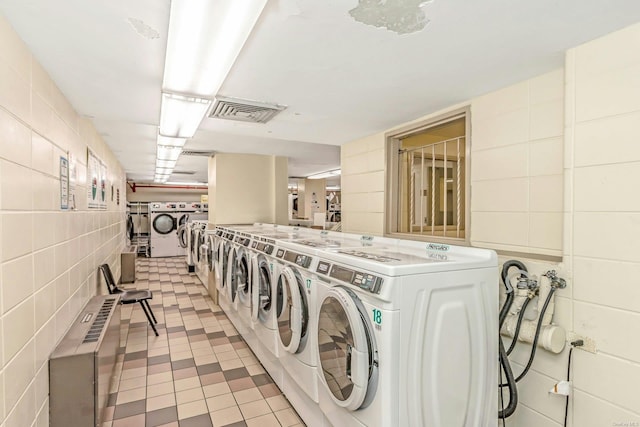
x,y
361,330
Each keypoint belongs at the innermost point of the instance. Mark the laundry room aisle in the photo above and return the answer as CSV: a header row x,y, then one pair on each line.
x,y
198,372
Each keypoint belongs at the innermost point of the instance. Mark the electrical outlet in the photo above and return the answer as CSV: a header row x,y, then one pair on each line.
x,y
589,344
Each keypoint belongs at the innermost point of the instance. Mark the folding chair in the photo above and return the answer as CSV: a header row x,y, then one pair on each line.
x,y
130,297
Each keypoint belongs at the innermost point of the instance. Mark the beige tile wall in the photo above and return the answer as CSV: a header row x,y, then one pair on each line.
x,y
48,258
603,166
516,167
363,185
555,167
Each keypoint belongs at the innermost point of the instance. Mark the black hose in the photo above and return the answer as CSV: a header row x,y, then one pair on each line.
x,y
518,325
510,294
511,382
504,361
535,339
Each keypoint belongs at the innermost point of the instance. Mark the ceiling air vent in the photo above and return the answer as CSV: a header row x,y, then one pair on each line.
x,y
244,110
175,172
204,153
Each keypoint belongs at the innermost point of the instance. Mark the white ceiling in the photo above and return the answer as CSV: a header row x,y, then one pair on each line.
x,y
341,79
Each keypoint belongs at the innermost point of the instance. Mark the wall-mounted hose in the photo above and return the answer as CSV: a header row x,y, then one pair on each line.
x,y
518,325
510,294
504,361
535,340
513,388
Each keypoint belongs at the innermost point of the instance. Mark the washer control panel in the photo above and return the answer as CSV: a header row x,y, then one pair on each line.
x,y
263,247
357,278
294,257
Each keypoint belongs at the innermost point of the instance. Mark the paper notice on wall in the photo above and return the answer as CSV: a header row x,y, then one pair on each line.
x,y
96,182
64,183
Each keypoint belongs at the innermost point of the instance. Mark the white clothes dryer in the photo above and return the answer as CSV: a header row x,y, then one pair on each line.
x,y
201,249
388,323
164,224
263,311
295,301
238,280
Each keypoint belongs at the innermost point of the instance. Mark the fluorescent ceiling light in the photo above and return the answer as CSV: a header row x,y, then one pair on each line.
x,y
163,171
165,164
167,152
171,142
204,40
327,174
180,115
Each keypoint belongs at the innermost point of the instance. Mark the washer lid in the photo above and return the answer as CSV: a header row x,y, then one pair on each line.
x,y
291,310
344,349
164,223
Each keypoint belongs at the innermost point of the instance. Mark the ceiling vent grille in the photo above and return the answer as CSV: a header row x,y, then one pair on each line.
x,y
244,110
203,153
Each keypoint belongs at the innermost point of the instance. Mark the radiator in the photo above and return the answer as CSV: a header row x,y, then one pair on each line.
x,y
82,365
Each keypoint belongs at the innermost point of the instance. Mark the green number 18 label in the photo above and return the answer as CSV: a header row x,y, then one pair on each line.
x,y
377,316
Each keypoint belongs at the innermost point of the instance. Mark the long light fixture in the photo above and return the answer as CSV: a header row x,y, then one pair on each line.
x,y
180,115
167,153
204,40
327,174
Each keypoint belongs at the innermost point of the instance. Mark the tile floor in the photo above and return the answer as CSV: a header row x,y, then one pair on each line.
x,y
198,372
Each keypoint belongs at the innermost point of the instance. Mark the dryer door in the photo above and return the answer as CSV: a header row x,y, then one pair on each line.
x,y
182,235
226,250
210,249
164,223
345,347
243,272
291,309
191,238
262,295
234,270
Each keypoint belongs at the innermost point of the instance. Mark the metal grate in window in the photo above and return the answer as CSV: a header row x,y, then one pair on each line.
x,y
432,184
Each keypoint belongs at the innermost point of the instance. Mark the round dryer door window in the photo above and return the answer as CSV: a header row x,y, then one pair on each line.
x,y
261,298
291,309
210,249
244,277
225,264
164,224
345,348
182,236
193,242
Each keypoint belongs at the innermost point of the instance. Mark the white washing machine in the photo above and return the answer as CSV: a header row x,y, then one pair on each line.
x,y
225,248
407,336
190,231
295,305
263,311
238,281
199,251
164,224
